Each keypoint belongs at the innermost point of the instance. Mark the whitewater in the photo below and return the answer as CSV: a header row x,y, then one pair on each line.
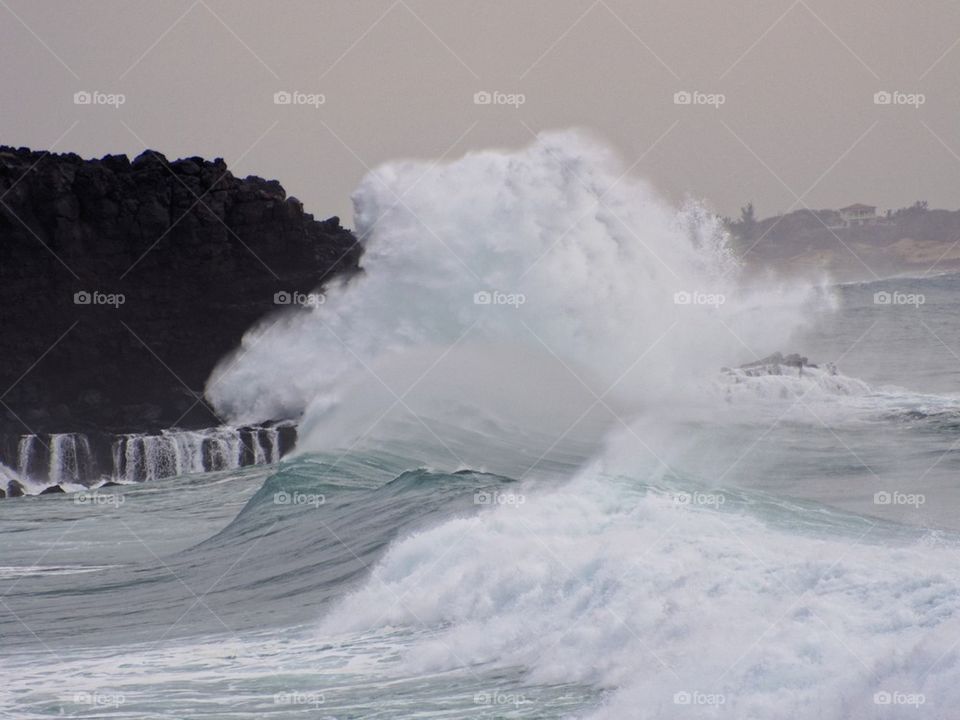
x,y
531,480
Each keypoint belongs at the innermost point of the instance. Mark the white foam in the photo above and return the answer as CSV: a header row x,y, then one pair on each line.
x,y
630,592
599,259
782,383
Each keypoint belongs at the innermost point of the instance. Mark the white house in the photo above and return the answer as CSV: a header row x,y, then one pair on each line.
x,y
858,214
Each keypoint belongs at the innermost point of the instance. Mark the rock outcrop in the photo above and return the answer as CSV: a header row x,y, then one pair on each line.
x,y
123,283
779,364
792,360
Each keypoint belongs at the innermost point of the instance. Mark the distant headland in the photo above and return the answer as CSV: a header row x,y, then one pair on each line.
x,y
855,242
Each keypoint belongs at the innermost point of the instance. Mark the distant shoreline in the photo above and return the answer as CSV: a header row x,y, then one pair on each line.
x,y
910,242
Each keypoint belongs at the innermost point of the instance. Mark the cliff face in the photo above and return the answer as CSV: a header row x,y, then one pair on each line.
x,y
122,283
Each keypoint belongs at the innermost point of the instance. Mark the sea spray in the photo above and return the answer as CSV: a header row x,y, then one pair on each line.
x,y
594,275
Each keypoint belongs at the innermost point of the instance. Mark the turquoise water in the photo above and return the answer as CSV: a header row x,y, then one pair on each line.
x,y
742,567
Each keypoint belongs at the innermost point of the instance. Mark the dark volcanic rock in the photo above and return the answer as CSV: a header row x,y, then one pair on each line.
x,y
15,489
123,283
53,490
777,363
792,360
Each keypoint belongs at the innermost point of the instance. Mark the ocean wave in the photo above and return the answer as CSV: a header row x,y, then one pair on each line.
x,y
559,273
656,601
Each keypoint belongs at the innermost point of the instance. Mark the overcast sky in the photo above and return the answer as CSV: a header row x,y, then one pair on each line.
x,y
798,125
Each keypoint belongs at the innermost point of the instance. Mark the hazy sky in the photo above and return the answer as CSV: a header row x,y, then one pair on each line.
x,y
798,125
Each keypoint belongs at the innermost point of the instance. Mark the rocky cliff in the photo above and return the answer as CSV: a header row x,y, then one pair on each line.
x,y
122,283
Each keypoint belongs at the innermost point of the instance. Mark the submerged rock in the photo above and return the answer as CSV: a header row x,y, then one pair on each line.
x,y
792,360
53,490
779,364
775,364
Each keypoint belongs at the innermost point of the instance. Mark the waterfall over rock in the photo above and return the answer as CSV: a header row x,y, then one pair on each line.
x,y
82,459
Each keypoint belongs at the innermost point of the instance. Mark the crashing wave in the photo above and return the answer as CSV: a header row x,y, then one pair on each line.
x,y
549,260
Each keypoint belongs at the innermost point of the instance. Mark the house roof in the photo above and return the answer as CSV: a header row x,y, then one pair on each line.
x,y
857,207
